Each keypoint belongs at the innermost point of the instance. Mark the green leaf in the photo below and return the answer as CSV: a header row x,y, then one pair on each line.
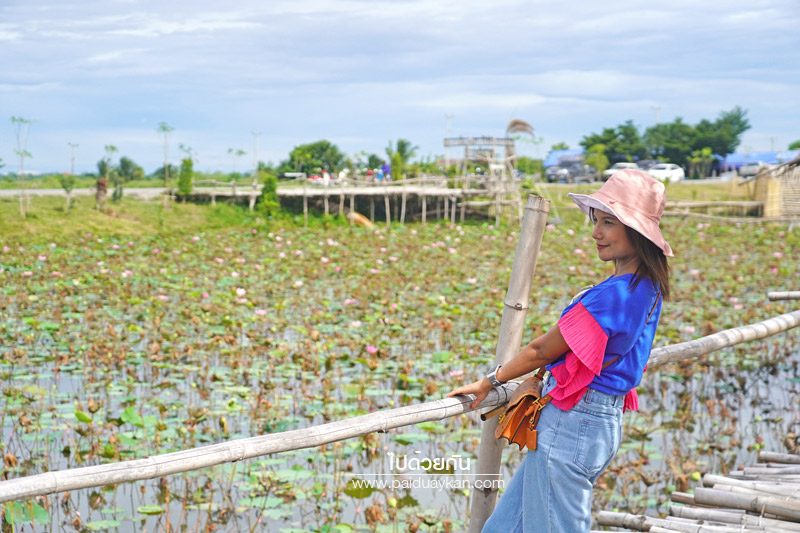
x,y
150,509
130,416
358,488
99,525
83,416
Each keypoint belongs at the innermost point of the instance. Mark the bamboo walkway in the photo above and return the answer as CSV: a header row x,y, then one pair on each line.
x,y
473,193
764,497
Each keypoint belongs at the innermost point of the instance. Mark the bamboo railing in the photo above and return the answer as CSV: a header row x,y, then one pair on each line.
x,y
784,295
237,450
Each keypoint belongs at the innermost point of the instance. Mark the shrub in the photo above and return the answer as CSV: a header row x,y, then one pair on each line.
x,y
185,177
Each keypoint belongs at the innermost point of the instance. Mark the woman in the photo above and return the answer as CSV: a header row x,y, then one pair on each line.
x,y
595,355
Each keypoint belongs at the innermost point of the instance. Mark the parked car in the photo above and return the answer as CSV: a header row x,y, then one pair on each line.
x,y
646,164
623,165
571,172
749,170
667,172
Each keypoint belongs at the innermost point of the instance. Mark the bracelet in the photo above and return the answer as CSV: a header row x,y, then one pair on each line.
x,y
492,377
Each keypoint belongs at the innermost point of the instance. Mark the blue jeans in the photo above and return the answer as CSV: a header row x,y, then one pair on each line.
x,y
551,491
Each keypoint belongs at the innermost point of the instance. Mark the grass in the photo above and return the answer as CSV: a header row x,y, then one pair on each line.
x,y
48,220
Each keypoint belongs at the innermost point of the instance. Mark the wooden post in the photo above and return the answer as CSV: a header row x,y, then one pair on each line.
x,y
453,211
496,209
252,202
446,207
403,208
438,206
325,200
341,203
352,206
508,343
372,208
424,207
387,208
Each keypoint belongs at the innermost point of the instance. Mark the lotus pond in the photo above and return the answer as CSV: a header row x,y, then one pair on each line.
x,y
119,347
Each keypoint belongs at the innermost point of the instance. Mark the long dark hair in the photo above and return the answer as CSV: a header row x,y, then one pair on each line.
x,y
652,262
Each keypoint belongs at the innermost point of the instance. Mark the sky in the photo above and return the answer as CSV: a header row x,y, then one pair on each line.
x,y
265,76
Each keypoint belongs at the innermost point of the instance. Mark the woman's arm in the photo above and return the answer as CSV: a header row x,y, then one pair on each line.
x,y
539,352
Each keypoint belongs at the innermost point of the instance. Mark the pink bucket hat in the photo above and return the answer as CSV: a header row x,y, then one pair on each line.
x,y
635,198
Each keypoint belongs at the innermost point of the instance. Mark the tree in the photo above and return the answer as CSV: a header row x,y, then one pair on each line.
x,y
560,146
67,182
530,166
622,143
374,161
722,135
313,157
185,177
22,127
794,146
596,157
235,154
129,170
700,162
399,156
670,141
165,129
269,204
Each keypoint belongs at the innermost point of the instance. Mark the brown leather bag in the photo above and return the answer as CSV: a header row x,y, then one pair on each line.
x,y
521,414
517,423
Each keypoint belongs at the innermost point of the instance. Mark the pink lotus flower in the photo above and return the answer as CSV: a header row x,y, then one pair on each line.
x,y
282,255
457,373
240,292
298,283
324,260
372,350
163,297
195,238
42,258
206,296
777,254
156,251
350,301
127,274
688,329
261,312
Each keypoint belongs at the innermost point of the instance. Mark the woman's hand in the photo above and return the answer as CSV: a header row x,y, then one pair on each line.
x,y
480,389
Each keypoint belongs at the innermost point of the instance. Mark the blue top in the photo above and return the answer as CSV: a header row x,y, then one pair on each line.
x,y
626,319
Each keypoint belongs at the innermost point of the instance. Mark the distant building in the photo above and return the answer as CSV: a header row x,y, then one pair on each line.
x,y
737,159
558,156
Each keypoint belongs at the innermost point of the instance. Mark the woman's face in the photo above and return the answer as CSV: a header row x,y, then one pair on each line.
x,y
612,240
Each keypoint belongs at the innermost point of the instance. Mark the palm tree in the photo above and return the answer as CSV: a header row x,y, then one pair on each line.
x,y
400,155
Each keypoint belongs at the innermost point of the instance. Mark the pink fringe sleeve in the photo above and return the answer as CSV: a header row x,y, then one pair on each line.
x,y
587,342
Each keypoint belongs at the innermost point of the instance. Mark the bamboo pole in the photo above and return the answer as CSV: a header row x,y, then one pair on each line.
x,y
453,211
508,343
325,200
723,339
784,295
387,208
758,504
403,208
774,457
424,208
732,516
240,449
